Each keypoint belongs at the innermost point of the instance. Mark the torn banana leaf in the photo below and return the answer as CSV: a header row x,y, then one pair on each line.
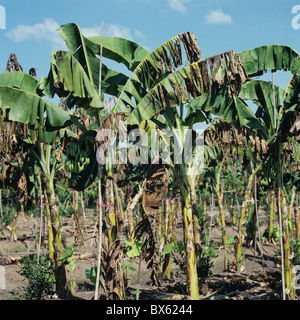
x,y
271,57
68,76
190,82
28,108
261,93
159,63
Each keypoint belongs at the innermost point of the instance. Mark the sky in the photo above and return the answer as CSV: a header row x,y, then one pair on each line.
x,y
219,25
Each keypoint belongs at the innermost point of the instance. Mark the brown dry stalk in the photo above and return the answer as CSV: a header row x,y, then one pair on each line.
x,y
242,221
155,189
13,64
129,212
112,277
224,133
193,81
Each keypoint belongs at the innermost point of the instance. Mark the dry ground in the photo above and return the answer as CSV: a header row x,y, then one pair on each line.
x,y
261,279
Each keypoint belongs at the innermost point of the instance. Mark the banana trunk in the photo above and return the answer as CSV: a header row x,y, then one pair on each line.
x,y
169,238
223,224
129,213
191,266
242,221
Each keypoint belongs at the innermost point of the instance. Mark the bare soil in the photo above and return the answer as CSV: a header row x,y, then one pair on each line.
x,y
261,279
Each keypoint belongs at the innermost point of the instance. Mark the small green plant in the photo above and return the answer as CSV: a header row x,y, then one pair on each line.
x,y
67,260
179,255
275,234
40,275
204,264
134,248
137,295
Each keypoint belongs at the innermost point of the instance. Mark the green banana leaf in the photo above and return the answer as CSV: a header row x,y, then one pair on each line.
x,y
168,249
112,82
117,49
121,50
26,107
20,80
20,94
230,109
68,76
272,57
261,93
81,49
68,253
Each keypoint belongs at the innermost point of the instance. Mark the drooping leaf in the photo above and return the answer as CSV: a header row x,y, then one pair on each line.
x,y
261,93
162,61
68,253
27,107
271,57
168,249
20,80
222,133
191,82
68,76
121,50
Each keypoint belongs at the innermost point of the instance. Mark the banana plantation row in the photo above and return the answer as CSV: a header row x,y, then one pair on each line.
x,y
250,159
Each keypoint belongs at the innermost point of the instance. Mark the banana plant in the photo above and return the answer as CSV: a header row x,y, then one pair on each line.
x,y
155,87
81,62
219,188
22,101
158,92
278,111
148,69
161,99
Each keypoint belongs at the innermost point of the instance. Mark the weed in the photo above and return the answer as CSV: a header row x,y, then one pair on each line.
x,y
40,275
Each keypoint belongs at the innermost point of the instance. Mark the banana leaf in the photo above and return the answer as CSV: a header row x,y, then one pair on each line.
x,y
81,49
120,50
26,107
85,50
21,97
261,93
272,57
151,70
20,80
68,76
